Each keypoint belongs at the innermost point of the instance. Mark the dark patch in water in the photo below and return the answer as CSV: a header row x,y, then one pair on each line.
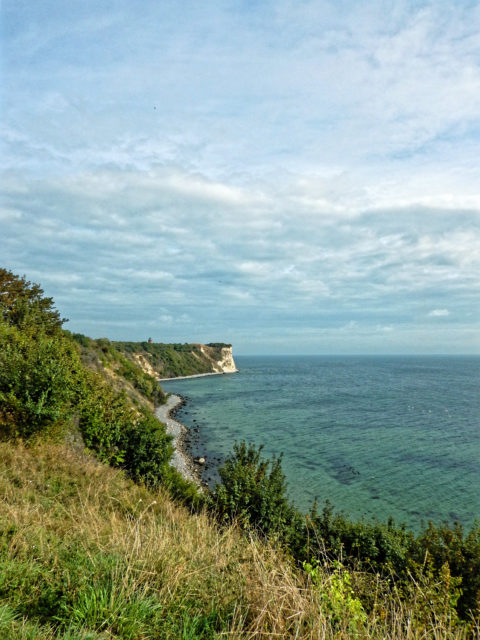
x,y
342,471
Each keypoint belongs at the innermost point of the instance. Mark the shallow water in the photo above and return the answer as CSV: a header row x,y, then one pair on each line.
x,y
377,436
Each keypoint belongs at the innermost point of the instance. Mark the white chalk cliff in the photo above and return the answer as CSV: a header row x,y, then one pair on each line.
x,y
226,364
212,357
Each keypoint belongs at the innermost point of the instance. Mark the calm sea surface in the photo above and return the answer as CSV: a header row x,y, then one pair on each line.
x,y
377,436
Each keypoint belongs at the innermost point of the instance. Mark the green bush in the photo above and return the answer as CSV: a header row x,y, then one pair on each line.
x,y
377,546
137,443
146,449
104,414
460,551
39,380
253,492
82,340
337,596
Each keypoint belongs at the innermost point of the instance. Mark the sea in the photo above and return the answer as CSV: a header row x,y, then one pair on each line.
x,y
377,436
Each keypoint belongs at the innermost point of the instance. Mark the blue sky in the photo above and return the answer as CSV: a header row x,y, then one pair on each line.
x,y
291,177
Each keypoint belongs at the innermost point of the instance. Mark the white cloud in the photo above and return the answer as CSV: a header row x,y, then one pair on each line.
x,y
308,168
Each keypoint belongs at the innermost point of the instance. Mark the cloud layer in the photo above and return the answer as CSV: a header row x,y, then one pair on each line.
x,y
295,177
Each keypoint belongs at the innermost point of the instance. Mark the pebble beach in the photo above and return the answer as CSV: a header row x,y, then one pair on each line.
x,y
181,461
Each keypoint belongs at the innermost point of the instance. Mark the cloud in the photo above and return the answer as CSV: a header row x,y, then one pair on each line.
x,y
132,242
439,313
307,171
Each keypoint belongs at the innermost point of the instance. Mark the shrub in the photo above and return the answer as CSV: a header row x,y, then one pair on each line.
x,y
377,546
337,596
253,492
104,414
145,449
135,442
39,378
461,552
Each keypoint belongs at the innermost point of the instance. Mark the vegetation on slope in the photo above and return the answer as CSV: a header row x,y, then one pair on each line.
x,y
253,493
102,355
46,389
174,360
86,553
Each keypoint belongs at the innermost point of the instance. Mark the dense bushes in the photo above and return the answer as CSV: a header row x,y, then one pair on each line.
x,y
104,413
460,551
376,546
146,450
389,549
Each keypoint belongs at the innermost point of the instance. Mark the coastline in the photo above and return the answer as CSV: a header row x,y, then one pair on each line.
x,y
181,460
198,375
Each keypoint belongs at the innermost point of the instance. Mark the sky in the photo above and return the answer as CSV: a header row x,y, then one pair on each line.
x,y
291,177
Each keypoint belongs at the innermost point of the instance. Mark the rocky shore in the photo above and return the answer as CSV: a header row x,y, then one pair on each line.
x,y
181,460
198,375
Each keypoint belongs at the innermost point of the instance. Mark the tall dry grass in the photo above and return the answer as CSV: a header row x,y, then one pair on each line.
x,y
88,554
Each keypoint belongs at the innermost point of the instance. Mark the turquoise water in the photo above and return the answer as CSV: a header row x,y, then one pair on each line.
x,y
377,436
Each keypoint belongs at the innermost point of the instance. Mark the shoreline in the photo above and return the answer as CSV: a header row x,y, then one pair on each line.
x,y
198,375
182,461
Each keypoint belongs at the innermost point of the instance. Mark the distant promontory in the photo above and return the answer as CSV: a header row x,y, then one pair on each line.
x,y
162,360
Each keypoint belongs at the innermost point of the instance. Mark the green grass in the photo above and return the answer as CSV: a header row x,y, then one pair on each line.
x,y
86,553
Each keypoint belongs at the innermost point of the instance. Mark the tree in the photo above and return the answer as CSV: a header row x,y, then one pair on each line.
x,y
23,305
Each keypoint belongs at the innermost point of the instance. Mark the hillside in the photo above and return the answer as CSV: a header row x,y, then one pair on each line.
x,y
87,554
175,360
121,372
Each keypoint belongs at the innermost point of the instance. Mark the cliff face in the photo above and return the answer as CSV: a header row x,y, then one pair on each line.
x,y
177,360
223,364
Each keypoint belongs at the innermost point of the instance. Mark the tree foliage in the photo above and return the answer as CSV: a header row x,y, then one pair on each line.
x,y
23,305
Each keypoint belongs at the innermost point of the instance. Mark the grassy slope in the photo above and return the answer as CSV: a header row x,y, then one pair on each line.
x,y
86,553
92,551
121,372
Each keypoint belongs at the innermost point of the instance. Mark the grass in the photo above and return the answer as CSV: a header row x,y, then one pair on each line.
x,y
87,554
